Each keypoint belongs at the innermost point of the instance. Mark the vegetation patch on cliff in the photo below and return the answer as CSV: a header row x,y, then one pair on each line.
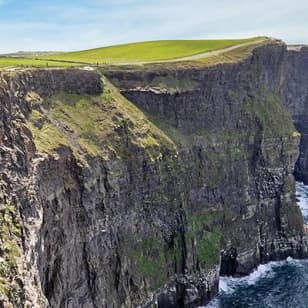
x,y
10,234
47,136
155,261
204,234
271,113
103,125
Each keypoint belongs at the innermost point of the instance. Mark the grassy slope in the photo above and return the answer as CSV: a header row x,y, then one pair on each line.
x,y
212,51
234,55
147,51
96,124
101,125
19,62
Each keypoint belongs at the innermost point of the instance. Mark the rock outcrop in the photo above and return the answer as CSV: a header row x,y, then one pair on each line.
x,y
294,90
141,191
22,210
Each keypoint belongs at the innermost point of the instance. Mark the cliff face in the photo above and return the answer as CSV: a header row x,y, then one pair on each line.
x,y
238,148
294,90
109,201
22,210
238,144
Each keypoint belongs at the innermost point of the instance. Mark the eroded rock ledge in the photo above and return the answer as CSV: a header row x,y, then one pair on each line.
x,y
128,199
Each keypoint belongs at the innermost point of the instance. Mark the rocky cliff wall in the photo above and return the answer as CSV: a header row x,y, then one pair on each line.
x,y
21,209
109,203
238,146
294,89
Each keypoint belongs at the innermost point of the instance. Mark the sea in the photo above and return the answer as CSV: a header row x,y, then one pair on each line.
x,y
281,284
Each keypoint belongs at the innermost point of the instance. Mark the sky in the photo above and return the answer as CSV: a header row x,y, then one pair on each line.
x,y
64,25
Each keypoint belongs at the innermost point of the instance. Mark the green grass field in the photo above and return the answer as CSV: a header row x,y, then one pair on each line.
x,y
141,53
28,62
147,51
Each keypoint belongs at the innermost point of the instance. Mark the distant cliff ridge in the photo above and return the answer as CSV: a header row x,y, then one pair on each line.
x,y
134,187
294,91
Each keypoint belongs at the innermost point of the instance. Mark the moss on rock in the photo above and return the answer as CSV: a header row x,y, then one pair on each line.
x,y
93,125
10,251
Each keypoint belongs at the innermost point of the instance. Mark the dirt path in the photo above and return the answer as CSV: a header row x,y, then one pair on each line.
x,y
197,56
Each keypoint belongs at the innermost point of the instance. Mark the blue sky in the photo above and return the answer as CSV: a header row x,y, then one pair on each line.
x,y
82,24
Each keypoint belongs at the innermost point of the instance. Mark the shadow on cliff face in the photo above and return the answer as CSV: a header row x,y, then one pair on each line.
x,y
294,90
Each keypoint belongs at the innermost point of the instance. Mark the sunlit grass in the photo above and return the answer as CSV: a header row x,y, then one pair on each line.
x,y
147,51
28,62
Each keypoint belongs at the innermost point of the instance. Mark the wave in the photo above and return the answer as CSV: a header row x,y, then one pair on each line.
x,y
302,199
213,304
266,274
228,285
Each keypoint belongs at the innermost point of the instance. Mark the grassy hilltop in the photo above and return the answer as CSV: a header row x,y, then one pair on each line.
x,y
148,51
140,53
30,62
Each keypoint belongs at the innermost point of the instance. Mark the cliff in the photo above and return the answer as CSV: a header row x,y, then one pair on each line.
x,y
294,91
130,187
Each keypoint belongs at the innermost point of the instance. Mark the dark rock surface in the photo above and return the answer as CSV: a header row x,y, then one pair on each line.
x,y
227,119
21,207
294,89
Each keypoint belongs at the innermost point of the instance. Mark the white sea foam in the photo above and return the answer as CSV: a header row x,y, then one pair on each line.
x,y
213,304
289,259
302,197
297,262
229,285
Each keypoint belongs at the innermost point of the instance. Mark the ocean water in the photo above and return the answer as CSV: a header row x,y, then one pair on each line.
x,y
302,199
276,285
